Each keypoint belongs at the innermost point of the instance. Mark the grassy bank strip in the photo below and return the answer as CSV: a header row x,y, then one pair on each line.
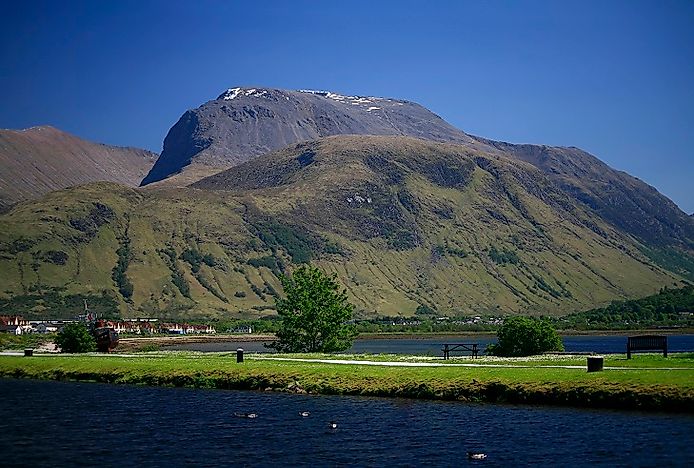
x,y
646,390
650,360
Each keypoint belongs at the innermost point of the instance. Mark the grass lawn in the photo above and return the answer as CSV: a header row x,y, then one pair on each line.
x,y
624,388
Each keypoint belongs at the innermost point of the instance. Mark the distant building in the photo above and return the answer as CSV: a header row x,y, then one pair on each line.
x,y
245,329
186,329
47,327
14,324
172,328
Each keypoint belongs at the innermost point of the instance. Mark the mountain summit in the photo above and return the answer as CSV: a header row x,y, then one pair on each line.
x,y
243,123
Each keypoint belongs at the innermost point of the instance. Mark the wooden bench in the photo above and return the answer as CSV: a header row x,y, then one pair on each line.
x,y
448,348
646,343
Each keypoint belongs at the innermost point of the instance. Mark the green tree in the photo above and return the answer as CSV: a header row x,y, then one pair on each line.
x,y
75,338
315,315
523,336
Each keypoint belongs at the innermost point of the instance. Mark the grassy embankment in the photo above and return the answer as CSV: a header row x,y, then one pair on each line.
x,y
648,389
33,340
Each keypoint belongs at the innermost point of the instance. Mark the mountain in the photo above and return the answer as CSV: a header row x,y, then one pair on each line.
x,y
664,231
406,209
39,160
403,222
243,123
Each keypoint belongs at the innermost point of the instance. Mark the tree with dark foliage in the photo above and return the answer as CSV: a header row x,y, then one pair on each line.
x,y
75,338
314,315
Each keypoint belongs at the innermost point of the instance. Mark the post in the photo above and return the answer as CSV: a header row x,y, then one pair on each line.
x,y
239,355
28,352
595,363
445,352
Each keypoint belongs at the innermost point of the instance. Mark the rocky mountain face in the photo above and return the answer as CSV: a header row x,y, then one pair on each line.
x,y
243,123
38,160
402,221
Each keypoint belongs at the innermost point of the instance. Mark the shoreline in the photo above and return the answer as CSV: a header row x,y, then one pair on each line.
x,y
634,389
166,340
415,336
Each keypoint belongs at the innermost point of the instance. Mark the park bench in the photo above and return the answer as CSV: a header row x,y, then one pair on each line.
x,y
646,343
448,348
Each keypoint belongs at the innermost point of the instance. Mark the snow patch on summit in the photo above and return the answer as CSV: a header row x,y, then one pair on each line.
x,y
233,93
354,100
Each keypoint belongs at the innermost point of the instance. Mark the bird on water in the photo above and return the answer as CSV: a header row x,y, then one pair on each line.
x,y
246,415
304,414
332,425
476,455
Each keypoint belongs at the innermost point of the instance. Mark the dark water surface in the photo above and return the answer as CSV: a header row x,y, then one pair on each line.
x,y
80,424
432,346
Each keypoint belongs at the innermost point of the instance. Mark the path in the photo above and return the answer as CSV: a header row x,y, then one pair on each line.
x,y
437,364
261,357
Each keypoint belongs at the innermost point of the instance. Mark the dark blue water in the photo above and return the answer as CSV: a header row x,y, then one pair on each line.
x,y
78,424
432,346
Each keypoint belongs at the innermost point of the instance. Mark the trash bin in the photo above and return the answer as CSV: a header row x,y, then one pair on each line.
x,y
239,355
595,363
28,352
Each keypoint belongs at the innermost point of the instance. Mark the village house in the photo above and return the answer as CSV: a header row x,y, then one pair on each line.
x,y
202,329
47,327
172,328
14,324
245,329
186,329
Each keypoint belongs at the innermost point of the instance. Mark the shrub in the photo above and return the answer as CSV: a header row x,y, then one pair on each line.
x,y
524,336
502,257
75,338
423,309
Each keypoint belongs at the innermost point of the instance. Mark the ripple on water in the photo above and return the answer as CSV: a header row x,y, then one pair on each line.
x,y
62,423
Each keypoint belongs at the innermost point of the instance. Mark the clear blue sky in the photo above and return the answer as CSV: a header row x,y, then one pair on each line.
x,y
615,78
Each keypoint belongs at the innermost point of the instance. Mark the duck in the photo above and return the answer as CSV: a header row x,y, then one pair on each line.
x,y
246,415
304,414
476,455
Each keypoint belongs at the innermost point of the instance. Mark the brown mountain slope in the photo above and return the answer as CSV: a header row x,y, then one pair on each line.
x,y
39,160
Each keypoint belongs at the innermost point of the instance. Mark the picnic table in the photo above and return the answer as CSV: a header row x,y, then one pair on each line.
x,y
449,348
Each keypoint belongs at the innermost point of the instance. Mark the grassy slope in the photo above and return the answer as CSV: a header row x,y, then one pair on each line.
x,y
563,265
644,389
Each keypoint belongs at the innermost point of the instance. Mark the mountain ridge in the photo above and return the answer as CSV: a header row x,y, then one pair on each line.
x,y
242,123
41,159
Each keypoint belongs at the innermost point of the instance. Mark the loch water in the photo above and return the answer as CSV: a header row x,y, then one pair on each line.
x,y
48,423
432,346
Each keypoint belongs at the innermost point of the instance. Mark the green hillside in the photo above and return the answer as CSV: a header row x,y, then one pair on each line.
x,y
403,222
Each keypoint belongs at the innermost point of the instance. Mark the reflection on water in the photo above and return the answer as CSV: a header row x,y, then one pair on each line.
x,y
66,424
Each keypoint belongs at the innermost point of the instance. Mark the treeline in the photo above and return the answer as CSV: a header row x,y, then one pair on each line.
x,y
668,308
376,325
419,325
671,307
